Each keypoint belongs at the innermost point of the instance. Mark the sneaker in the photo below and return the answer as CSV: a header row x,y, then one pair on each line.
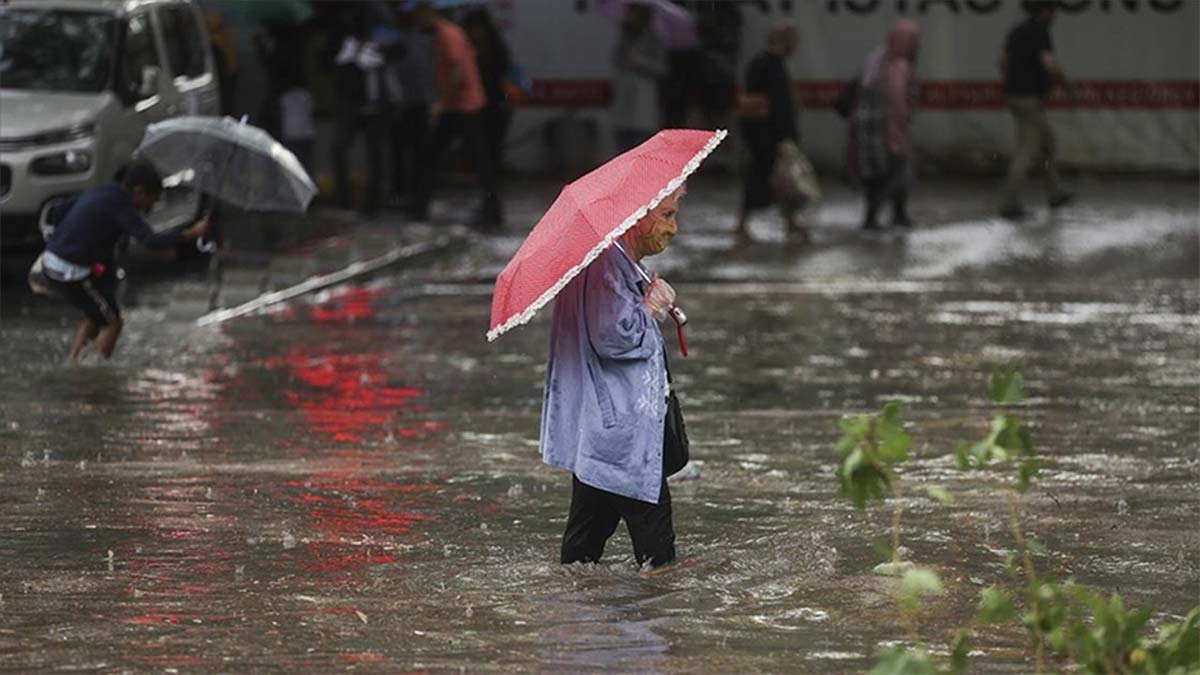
x,y
1014,212
1060,199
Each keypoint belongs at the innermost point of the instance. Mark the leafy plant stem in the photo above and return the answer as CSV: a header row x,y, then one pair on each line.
x,y
897,511
1014,524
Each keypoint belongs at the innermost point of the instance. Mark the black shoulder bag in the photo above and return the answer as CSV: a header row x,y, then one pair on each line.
x,y
675,440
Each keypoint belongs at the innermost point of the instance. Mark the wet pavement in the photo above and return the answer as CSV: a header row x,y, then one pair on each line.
x,y
351,480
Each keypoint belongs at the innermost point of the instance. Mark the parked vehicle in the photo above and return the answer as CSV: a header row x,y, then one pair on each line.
x,y
79,82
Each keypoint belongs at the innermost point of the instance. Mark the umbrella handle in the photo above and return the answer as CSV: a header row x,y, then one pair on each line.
x,y
680,321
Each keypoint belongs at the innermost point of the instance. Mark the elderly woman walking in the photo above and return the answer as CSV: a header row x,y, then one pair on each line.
x,y
880,142
610,416
605,386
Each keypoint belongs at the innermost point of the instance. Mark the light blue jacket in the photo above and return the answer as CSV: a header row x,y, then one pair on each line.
x,y
602,415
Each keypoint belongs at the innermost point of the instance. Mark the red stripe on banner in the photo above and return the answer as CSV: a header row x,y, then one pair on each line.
x,y
569,94
937,95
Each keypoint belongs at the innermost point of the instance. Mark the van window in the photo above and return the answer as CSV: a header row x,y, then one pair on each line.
x,y
53,50
185,42
139,52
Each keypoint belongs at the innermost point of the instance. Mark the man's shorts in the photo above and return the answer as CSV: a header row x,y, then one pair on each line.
x,y
95,296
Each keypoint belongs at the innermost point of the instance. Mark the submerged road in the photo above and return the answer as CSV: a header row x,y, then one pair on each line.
x,y
352,481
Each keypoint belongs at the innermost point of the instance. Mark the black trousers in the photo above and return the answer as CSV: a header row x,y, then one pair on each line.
x,y
595,514
410,129
894,186
373,125
471,128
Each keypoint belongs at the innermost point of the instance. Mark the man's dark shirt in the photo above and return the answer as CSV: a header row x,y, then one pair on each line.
x,y
97,219
767,74
1026,75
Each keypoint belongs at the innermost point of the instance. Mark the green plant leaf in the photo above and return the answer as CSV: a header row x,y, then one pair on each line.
x,y
1027,471
900,661
1176,650
995,606
889,430
960,650
941,494
983,453
921,581
962,460
1026,441
893,446
1006,384
855,429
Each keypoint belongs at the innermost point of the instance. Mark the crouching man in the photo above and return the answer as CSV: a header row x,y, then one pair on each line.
x,y
79,255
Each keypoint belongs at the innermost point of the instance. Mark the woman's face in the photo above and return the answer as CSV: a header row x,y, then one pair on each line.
x,y
660,225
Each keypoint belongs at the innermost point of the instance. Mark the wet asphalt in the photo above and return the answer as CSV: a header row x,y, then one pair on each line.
x,y
351,480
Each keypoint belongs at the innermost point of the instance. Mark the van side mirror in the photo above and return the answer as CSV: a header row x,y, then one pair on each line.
x,y
149,85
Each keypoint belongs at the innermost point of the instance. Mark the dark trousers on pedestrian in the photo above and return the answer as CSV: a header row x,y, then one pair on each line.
x,y
410,132
374,128
497,120
595,514
893,186
470,128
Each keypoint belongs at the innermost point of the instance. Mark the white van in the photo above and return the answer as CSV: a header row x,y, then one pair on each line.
x,y
79,82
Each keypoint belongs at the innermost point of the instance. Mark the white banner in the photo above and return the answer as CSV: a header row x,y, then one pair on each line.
x,y
1135,65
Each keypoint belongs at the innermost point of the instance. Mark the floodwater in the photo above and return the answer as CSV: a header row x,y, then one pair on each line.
x,y
353,481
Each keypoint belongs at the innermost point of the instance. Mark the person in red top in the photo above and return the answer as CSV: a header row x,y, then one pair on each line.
x,y
459,113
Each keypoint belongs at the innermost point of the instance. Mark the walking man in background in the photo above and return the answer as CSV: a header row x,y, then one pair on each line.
x,y
79,255
459,113
1030,73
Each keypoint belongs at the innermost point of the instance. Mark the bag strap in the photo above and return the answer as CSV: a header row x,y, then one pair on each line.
x,y
667,365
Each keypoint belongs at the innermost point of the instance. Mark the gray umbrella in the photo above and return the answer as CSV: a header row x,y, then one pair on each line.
x,y
233,161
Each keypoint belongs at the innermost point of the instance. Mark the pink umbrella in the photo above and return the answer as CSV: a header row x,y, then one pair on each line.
x,y
589,215
674,25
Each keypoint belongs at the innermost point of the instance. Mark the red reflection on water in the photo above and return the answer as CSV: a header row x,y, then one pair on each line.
x,y
362,657
346,395
350,304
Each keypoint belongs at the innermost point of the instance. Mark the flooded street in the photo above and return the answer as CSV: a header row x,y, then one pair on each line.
x,y
352,480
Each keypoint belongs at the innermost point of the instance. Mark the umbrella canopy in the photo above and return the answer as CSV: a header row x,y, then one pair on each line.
x,y
232,161
588,216
674,25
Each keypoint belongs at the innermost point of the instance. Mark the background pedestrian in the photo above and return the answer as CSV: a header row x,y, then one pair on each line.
x,y
639,62
768,118
880,139
413,66
1030,73
494,60
459,114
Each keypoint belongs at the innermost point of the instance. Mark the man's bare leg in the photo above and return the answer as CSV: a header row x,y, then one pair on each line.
x,y
107,340
86,332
